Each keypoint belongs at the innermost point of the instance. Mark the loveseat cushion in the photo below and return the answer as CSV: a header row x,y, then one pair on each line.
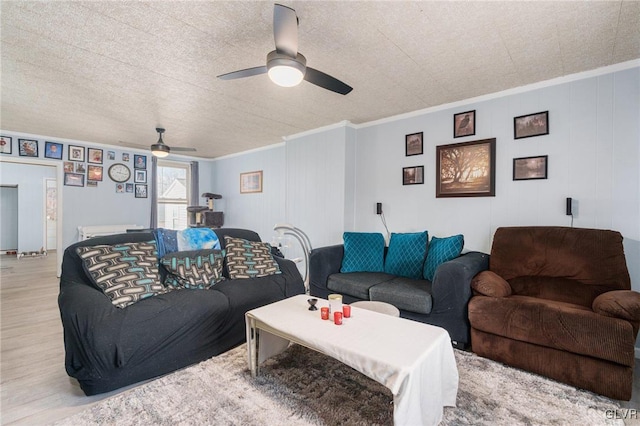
x,y
406,254
126,273
249,259
356,284
196,269
441,250
557,325
363,252
405,294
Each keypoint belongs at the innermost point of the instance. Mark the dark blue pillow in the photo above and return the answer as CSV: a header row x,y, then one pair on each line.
x,y
363,252
442,250
406,254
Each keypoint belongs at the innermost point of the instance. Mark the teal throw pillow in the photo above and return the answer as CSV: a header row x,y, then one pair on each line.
x,y
363,252
442,250
406,254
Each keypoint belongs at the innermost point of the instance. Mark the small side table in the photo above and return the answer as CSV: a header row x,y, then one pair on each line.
x,y
381,307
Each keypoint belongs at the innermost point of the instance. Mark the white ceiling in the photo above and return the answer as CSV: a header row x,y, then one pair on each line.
x,y
110,72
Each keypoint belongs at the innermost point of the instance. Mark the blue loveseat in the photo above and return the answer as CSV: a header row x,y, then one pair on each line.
x,y
441,301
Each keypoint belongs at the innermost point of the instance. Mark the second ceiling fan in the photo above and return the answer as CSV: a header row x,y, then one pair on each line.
x,y
285,65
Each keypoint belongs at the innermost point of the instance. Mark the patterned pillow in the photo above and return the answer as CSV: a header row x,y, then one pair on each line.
x,y
442,250
249,259
126,273
196,269
406,254
363,252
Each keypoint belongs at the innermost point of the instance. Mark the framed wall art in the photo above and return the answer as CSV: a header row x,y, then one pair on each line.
x,y
413,175
73,179
140,176
527,126
28,147
5,145
251,182
68,167
94,173
53,150
141,191
139,161
464,124
413,144
94,156
527,168
466,169
76,153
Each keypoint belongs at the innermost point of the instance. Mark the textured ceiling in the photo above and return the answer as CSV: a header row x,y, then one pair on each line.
x,y
110,72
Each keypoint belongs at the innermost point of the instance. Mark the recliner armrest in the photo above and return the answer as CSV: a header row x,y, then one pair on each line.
x,y
324,261
624,304
451,286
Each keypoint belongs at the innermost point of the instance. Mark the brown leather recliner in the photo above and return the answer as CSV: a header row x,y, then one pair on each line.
x,y
556,301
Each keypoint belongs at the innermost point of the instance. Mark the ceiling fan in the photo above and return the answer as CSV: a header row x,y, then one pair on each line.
x,y
160,149
285,65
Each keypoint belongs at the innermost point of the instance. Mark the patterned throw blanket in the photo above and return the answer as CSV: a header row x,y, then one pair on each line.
x,y
170,241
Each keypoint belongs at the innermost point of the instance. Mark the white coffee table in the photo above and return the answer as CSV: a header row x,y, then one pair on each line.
x,y
414,360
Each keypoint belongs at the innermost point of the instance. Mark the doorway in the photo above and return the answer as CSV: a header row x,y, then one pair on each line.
x,y
51,214
8,218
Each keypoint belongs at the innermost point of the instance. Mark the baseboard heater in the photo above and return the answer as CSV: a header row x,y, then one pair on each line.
x,y
92,231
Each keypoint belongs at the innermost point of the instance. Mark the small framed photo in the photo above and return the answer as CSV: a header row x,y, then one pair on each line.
x,y
413,175
251,182
140,176
53,150
80,168
5,145
68,167
527,168
94,173
111,155
119,188
464,124
527,126
92,183
141,191
73,179
125,156
413,144
28,147
129,187
76,153
139,161
95,156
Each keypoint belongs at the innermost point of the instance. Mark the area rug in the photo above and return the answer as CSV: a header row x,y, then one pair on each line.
x,y
303,387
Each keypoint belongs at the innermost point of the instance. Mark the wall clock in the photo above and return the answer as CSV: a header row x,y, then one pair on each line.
x,y
119,172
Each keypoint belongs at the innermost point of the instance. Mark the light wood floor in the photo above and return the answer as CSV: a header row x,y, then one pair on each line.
x,y
35,388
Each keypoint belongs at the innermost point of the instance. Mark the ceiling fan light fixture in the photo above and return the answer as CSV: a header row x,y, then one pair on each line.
x,y
284,70
160,150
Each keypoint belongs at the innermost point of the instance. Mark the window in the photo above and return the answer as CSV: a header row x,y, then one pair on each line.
x,y
173,189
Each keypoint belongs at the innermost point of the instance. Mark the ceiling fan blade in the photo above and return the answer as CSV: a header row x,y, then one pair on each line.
x,y
249,72
325,81
285,30
177,148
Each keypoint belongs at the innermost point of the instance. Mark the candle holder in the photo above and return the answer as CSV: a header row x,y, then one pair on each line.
x,y
312,304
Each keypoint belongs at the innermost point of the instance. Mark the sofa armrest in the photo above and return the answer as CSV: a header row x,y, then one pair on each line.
x,y
451,286
488,283
293,283
624,304
324,261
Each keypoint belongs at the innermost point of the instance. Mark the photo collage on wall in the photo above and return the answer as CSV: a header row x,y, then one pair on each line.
x,y
467,169
85,166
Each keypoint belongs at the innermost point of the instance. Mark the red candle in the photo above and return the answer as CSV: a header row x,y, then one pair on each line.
x,y
324,313
346,311
337,318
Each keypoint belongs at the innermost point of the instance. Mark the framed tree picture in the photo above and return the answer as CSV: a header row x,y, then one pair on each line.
x,y
527,168
466,169
413,175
